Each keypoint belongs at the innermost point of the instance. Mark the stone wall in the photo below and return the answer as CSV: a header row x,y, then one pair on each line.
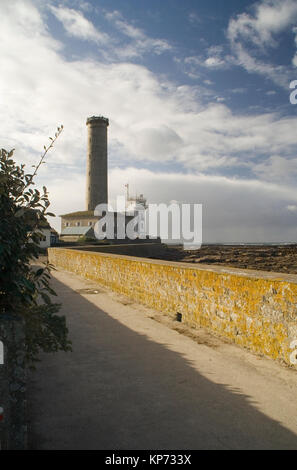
x,y
13,428
254,309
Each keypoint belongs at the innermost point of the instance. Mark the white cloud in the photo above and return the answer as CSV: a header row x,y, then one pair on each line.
x,y
194,18
78,26
214,62
140,43
213,59
238,91
208,82
85,6
251,35
277,168
294,60
270,17
261,29
278,74
156,143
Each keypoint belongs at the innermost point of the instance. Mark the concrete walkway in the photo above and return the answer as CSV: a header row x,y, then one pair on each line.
x,y
133,382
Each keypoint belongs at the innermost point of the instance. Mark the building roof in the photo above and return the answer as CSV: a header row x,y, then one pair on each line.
x,y
77,230
79,214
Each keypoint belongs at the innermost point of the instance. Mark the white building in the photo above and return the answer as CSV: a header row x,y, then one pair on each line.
x,y
50,237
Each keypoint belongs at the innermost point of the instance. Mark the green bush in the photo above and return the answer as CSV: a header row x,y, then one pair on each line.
x,y
84,239
24,287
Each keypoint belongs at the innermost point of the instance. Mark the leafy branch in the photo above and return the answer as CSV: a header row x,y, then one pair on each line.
x,y
24,289
46,149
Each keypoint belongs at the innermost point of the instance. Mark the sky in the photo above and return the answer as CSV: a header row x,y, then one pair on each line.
x,y
197,94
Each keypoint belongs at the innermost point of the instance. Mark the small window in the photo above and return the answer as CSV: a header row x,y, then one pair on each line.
x,y
78,224
90,223
67,224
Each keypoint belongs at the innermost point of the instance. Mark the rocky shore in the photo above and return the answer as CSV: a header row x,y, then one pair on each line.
x,y
277,258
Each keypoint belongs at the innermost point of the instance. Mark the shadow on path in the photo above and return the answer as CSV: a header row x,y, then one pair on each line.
x,y
120,390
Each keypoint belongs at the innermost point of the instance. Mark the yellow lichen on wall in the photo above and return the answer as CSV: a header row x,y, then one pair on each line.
x,y
254,309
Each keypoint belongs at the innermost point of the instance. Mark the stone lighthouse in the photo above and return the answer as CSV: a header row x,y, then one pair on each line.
x,y
97,190
75,225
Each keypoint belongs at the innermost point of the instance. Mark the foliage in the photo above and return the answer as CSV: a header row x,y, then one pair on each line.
x,y
85,239
24,286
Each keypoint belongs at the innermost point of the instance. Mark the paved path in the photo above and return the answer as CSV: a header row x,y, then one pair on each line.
x,y
133,382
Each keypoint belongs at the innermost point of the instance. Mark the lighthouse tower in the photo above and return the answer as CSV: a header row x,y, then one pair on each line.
x,y
97,190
